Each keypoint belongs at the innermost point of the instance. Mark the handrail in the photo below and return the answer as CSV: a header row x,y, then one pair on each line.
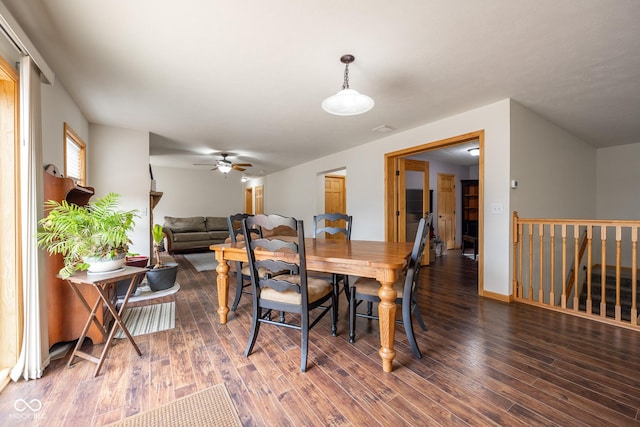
x,y
543,249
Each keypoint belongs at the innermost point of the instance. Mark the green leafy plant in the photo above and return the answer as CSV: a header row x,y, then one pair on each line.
x,y
158,235
97,230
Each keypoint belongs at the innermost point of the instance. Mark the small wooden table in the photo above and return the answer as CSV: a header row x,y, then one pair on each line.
x,y
382,261
102,283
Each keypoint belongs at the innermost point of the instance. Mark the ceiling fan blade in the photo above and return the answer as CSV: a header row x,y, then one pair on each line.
x,y
244,164
215,168
237,168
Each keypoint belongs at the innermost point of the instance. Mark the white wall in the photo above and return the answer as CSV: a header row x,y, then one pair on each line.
x,y
119,163
58,108
188,192
290,191
556,171
618,176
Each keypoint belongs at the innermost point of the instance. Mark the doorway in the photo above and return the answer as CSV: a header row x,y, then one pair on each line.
x,y
248,200
392,196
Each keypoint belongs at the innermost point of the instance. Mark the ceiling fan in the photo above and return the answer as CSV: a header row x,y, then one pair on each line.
x,y
225,166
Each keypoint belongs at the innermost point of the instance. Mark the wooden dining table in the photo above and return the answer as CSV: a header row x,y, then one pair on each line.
x,y
383,261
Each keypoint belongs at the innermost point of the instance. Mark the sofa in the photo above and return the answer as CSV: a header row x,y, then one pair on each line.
x,y
194,233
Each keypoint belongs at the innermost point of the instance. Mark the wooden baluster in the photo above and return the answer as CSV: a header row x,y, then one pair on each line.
x,y
530,296
552,290
541,262
634,275
576,265
603,271
563,301
618,262
589,268
520,285
514,282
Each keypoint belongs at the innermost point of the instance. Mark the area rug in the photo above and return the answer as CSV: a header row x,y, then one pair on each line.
x,y
204,261
148,319
209,407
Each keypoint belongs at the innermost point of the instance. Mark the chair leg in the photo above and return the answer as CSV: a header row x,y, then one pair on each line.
x,y
352,314
334,315
255,327
345,287
408,328
335,279
304,342
418,316
369,308
239,287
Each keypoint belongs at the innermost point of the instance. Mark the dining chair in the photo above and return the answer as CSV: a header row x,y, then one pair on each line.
x,y
366,289
290,292
327,226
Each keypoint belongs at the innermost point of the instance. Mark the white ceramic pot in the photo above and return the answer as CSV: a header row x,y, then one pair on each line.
x,y
103,265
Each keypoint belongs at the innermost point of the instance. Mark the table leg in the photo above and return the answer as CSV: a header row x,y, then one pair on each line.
x,y
223,287
387,315
92,318
117,318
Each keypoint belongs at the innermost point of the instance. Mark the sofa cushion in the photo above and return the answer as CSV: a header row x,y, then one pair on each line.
x,y
218,235
191,236
181,225
216,223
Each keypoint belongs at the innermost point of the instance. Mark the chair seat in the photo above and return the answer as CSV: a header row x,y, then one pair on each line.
x,y
368,286
316,288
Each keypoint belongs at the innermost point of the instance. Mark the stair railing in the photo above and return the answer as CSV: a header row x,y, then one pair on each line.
x,y
544,249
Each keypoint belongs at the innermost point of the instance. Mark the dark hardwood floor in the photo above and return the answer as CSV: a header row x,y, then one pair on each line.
x,y
484,363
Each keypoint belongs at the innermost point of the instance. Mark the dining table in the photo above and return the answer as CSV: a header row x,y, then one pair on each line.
x,y
383,261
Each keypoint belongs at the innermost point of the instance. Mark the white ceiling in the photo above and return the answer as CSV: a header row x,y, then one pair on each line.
x,y
248,77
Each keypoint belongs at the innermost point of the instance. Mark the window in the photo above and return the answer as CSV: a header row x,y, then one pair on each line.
x,y
74,156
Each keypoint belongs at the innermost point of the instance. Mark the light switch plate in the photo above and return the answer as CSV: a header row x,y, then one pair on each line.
x,y
497,209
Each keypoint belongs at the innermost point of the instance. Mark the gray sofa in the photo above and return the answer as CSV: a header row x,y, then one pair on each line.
x,y
194,233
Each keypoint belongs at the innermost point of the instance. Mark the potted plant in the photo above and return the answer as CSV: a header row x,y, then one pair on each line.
x,y
93,237
162,275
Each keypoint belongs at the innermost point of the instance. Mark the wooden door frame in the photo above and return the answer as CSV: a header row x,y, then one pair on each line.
x,y
390,196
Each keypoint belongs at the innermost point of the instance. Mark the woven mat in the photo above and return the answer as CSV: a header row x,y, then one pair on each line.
x,y
210,407
204,261
148,319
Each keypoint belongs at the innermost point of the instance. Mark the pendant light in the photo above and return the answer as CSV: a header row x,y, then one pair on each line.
x,y
347,102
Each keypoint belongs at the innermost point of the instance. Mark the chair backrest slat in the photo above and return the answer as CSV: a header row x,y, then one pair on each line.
x,y
292,263
323,223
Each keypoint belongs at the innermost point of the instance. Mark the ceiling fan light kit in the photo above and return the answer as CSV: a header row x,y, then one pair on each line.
x,y
224,166
347,102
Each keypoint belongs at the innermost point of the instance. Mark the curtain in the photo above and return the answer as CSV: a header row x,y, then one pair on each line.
x,y
34,354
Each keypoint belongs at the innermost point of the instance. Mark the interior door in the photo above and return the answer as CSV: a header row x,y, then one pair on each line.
x,y
447,209
335,201
259,190
248,200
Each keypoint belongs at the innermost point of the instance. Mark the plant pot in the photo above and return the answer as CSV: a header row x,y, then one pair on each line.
x,y
133,261
162,278
104,265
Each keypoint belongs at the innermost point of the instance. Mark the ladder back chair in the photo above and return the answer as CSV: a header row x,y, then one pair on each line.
x,y
366,289
243,279
290,292
334,226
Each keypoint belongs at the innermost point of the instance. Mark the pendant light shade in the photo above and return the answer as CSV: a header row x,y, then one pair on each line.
x,y
347,102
